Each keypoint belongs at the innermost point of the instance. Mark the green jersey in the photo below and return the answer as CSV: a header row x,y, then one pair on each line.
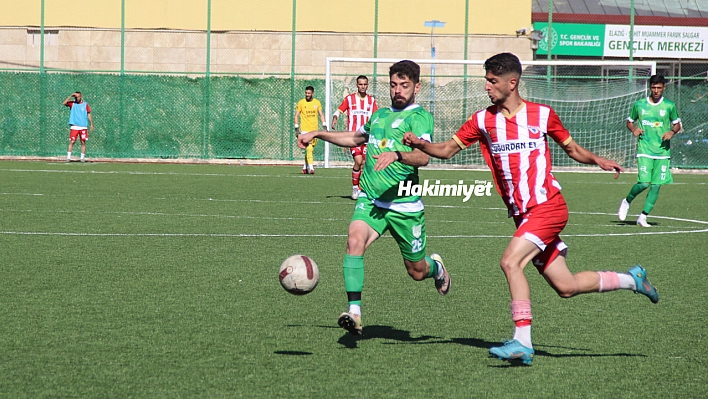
x,y
655,120
386,129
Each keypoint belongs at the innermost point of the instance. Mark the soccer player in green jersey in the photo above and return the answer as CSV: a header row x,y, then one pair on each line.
x,y
380,207
654,121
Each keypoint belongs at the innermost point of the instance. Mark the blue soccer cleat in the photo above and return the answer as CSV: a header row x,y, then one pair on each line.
x,y
513,350
642,282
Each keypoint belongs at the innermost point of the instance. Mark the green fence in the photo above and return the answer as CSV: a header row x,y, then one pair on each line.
x,y
147,116
168,117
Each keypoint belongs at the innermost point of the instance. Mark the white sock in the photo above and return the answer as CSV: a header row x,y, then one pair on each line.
x,y
523,335
627,281
439,273
355,309
82,156
68,155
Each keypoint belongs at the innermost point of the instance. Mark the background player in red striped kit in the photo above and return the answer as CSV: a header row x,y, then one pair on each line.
x,y
513,136
359,106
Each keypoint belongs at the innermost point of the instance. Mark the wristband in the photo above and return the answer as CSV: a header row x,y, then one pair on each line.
x,y
297,126
400,157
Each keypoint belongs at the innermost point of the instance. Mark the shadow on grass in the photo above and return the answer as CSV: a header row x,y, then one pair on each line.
x,y
631,223
293,353
404,337
381,332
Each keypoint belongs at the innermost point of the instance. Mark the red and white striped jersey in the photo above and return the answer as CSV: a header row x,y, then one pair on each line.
x,y
358,110
516,150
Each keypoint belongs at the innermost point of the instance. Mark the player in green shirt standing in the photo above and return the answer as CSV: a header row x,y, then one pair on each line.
x,y
379,207
654,121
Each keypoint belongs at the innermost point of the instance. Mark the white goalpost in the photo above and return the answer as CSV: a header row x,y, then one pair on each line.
x,y
592,99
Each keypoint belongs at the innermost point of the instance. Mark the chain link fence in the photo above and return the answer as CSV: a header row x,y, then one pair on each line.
x,y
170,94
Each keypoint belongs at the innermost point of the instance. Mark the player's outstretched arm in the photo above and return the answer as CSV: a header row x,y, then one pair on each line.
x,y
580,154
342,139
444,150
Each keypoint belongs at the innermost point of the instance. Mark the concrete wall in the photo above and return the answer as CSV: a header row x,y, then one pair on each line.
x,y
242,52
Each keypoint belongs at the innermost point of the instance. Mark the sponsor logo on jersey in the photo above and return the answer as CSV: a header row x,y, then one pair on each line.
x,y
515,146
652,124
383,143
427,189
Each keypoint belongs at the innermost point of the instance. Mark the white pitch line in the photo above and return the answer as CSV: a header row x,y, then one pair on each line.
x,y
39,233
294,175
127,172
256,235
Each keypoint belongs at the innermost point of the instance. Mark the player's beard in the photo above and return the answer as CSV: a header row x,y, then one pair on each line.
x,y
399,102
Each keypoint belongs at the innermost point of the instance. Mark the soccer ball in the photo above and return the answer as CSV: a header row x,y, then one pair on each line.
x,y
299,275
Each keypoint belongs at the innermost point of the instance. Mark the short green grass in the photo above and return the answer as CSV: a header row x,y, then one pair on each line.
x,y
127,280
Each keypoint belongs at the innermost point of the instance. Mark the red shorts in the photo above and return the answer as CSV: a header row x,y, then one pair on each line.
x,y
542,225
358,151
83,133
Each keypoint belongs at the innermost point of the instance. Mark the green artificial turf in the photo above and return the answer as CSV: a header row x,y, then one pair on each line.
x,y
129,280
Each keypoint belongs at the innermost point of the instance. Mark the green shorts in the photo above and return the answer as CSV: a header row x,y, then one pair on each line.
x,y
407,228
654,171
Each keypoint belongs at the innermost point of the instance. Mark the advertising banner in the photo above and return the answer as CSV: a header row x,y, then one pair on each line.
x,y
597,40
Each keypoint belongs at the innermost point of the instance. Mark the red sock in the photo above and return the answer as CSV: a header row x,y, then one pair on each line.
x,y
355,177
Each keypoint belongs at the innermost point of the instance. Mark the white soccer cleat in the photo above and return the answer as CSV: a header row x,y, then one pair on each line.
x,y
623,209
355,192
642,221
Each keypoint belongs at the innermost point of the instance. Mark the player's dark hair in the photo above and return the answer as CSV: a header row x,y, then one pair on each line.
x,y
77,92
657,79
502,64
362,77
312,89
405,68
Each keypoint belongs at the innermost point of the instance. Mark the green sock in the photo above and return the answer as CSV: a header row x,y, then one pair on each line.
x,y
636,190
652,196
433,271
354,276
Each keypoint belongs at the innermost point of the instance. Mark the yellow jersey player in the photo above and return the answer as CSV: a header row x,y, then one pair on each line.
x,y
306,112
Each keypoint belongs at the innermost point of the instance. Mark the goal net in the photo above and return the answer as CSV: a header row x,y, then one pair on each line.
x,y
592,98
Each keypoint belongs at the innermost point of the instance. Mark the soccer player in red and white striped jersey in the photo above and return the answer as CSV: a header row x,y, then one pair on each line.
x,y
359,107
513,135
